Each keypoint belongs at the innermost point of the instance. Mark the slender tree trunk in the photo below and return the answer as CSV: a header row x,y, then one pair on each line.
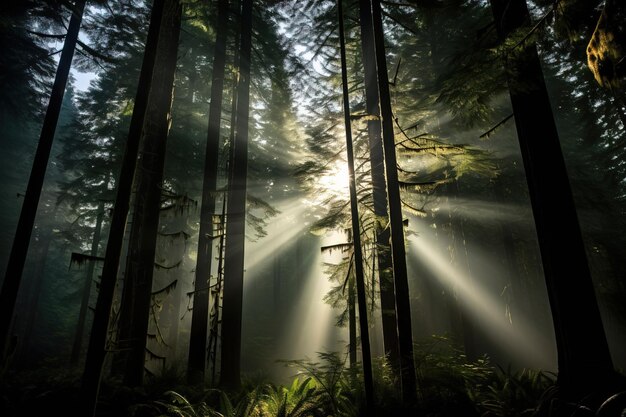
x,y
216,316
235,227
351,324
142,247
356,229
403,307
379,186
96,350
84,305
584,360
197,343
19,250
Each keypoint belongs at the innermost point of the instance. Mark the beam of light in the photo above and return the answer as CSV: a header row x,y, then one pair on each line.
x,y
310,328
312,331
521,339
279,234
486,211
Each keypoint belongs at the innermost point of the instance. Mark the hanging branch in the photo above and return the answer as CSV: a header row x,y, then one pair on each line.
x,y
182,234
537,25
167,289
496,127
344,247
81,258
168,267
414,210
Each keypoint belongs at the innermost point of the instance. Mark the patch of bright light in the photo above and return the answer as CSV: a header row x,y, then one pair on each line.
x,y
519,338
335,180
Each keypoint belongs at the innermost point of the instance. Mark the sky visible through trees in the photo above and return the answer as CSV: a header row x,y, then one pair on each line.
x,y
507,221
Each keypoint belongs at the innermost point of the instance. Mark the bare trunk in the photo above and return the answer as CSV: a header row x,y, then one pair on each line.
x,y
142,246
236,217
96,350
198,339
583,366
356,230
379,189
19,250
403,307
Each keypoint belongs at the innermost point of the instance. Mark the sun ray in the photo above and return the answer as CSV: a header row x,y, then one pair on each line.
x,y
519,338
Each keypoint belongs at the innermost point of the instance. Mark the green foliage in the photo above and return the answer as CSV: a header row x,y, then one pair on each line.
x,y
335,384
172,405
448,380
300,399
511,394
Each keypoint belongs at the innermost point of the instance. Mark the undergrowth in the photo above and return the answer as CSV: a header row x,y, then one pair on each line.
x,y
449,386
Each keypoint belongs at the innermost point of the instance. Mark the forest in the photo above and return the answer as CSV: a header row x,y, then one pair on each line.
x,y
313,208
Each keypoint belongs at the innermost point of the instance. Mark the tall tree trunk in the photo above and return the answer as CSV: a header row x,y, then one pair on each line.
x,y
379,188
356,229
198,339
235,227
215,315
584,360
84,305
403,307
149,177
96,350
19,250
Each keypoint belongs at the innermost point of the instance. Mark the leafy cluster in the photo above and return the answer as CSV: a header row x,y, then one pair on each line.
x,y
450,385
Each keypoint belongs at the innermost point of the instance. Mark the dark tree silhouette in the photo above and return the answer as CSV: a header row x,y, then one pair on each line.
x,y
403,307
148,179
96,350
379,187
198,338
15,267
356,229
236,216
584,366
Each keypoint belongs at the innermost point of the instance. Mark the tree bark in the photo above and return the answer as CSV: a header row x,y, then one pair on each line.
x,y
197,344
379,188
351,325
96,350
230,377
19,250
149,177
356,229
584,360
403,307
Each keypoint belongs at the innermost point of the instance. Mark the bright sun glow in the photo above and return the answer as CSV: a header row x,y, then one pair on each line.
x,y
335,181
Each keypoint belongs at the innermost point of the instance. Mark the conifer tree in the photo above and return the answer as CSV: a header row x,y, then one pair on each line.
x,y
356,228
11,283
198,339
100,327
583,367
148,178
235,227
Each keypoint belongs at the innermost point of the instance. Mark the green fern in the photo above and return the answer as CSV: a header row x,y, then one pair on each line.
x,y
300,399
